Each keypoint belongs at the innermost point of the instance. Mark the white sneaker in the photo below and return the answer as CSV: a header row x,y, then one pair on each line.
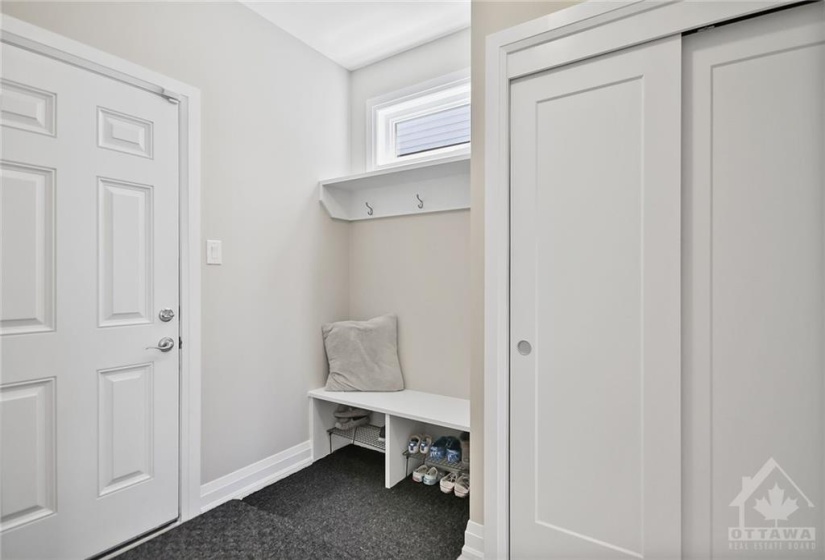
x,y
418,474
448,483
462,486
426,443
414,444
433,475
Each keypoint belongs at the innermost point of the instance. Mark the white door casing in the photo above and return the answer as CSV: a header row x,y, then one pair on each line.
x,y
754,277
90,255
595,280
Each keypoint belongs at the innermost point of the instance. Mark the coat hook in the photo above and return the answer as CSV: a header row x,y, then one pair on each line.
x,y
420,202
369,209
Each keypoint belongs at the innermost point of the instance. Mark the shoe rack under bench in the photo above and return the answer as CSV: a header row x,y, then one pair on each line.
x,y
404,413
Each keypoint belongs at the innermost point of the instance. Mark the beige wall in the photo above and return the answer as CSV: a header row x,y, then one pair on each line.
x,y
419,268
415,266
266,96
487,18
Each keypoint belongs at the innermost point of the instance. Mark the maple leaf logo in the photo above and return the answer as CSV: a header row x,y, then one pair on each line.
x,y
776,508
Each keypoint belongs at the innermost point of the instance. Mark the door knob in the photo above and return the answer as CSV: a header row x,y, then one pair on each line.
x,y
164,345
524,348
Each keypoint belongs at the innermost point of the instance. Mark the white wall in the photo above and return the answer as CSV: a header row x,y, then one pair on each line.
x,y
415,266
275,120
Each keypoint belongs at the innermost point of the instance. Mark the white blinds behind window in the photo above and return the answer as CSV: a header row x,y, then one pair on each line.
x,y
441,129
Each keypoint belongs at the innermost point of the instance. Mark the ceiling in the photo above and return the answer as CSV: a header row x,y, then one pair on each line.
x,y
355,34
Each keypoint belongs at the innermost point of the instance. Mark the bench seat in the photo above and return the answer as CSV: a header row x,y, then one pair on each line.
x,y
449,412
404,413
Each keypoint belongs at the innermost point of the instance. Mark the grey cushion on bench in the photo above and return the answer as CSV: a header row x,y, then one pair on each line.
x,y
363,355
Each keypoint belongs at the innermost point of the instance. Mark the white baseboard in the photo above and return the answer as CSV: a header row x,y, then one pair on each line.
x,y
245,481
473,542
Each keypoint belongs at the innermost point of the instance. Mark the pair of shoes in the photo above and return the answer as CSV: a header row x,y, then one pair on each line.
x,y
382,434
347,418
433,475
348,424
446,448
419,473
419,444
462,485
465,448
448,483
344,411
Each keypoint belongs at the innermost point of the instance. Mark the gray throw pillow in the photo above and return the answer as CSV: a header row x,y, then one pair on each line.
x,y
363,355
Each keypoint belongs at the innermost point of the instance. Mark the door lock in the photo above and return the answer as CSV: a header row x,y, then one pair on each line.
x,y
166,314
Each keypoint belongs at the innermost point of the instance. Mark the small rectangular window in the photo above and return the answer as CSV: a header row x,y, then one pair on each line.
x,y
427,122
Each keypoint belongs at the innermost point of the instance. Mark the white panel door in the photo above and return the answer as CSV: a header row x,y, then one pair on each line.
x,y
754,285
89,210
595,287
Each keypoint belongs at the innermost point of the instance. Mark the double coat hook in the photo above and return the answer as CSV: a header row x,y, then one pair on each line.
x,y
371,211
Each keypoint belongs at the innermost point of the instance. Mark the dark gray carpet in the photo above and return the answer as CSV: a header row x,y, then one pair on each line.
x,y
235,530
343,496
337,508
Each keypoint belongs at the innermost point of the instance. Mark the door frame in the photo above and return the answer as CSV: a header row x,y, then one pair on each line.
x,y
33,38
582,31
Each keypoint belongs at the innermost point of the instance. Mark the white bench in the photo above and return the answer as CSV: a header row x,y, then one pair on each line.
x,y
403,413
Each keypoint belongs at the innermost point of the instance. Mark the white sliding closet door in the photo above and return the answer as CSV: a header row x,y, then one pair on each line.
x,y
595,308
754,334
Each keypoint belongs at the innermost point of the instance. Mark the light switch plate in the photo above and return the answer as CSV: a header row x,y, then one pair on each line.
x,y
214,252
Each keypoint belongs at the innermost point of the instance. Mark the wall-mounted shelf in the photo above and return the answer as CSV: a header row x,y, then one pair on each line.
x,y
421,188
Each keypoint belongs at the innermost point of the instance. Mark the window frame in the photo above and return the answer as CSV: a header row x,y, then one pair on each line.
x,y
384,112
